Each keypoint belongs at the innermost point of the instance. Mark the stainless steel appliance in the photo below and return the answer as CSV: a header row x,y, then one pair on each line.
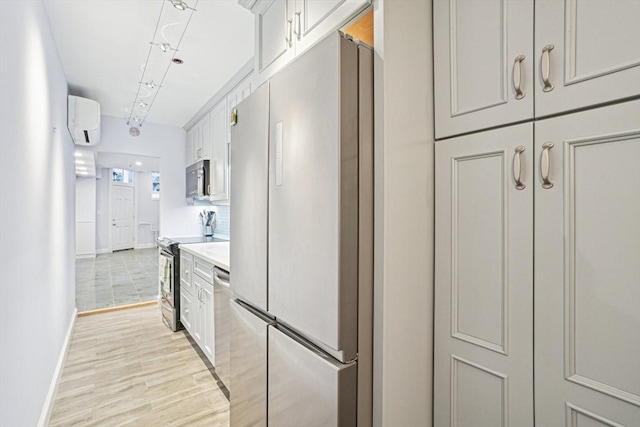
x,y
169,276
302,227
197,180
221,300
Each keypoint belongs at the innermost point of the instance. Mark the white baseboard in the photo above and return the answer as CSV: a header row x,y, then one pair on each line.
x,y
145,246
104,251
53,387
85,256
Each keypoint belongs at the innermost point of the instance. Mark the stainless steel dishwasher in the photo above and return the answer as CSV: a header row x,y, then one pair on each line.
x,y
221,313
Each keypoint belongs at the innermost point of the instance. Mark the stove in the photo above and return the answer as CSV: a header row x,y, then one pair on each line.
x,y
169,276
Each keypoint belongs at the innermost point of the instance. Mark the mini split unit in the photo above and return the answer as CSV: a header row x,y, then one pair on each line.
x,y
83,120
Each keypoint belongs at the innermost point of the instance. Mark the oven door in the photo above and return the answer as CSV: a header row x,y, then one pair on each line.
x,y
165,275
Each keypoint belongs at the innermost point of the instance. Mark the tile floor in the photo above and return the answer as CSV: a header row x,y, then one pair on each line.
x,y
119,278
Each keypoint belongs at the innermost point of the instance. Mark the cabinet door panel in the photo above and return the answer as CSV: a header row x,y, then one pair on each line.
x,y
484,295
475,47
205,137
186,311
587,268
219,153
317,18
596,52
205,313
272,30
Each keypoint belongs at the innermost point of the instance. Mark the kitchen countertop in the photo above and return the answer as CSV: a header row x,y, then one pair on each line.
x,y
216,253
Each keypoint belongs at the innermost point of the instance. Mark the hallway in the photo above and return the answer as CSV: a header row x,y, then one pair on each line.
x,y
115,279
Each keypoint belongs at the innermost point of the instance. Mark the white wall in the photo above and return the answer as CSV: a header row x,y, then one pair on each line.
x,y
167,143
37,203
403,287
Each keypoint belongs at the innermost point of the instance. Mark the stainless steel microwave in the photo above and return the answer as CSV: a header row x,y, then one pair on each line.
x,y
198,180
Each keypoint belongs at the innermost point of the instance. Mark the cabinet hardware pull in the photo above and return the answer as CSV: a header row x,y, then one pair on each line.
x,y
546,68
517,169
517,74
298,31
544,165
289,39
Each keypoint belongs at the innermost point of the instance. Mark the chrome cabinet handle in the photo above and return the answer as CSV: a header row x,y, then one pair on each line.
x,y
289,39
546,68
517,76
544,165
517,169
298,31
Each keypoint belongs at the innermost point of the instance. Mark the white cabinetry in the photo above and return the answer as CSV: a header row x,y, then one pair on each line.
x,y
196,301
199,141
582,169
587,268
484,279
285,28
219,152
492,67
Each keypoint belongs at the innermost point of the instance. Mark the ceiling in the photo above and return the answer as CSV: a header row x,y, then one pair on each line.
x,y
128,161
104,44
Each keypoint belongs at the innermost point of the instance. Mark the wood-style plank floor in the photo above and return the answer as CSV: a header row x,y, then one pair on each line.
x,y
127,368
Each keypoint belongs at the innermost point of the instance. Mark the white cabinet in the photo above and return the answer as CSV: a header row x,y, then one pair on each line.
x,y
186,272
199,142
285,28
234,98
186,310
204,328
587,268
484,279
576,277
492,67
196,301
595,56
218,182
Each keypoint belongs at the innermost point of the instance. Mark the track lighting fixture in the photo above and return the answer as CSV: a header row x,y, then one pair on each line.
x,y
156,61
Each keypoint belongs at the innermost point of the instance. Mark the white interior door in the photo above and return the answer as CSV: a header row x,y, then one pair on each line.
x,y
587,269
122,215
483,280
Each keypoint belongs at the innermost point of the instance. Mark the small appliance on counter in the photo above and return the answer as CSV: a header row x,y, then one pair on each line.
x,y
207,222
169,276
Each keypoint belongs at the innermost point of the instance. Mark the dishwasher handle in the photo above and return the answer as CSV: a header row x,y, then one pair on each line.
x,y
221,277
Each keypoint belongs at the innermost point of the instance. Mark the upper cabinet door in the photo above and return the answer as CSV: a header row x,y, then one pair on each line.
x,y
587,268
274,35
205,138
483,64
219,153
313,19
587,53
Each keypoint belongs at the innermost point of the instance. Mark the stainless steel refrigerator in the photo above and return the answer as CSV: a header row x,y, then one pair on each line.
x,y
302,243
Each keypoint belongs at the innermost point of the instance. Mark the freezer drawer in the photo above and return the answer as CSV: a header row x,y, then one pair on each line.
x,y
307,387
248,367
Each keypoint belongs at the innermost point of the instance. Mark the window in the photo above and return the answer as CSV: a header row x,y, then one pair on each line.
x,y
155,185
123,176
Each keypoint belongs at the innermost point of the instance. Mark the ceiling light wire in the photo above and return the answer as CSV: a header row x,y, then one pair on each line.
x,y
144,70
168,66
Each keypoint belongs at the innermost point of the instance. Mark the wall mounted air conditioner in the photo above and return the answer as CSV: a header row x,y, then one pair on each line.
x,y
83,120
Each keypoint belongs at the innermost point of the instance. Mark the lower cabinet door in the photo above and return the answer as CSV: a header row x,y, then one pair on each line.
x,y
207,334
308,388
484,279
587,268
186,310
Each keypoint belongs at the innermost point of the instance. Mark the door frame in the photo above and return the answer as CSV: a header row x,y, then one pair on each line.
x,y
135,208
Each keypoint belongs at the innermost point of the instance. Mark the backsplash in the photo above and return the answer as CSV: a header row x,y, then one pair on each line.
x,y
222,220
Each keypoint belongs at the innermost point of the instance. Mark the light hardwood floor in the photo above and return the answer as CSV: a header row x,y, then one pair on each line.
x,y
127,368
